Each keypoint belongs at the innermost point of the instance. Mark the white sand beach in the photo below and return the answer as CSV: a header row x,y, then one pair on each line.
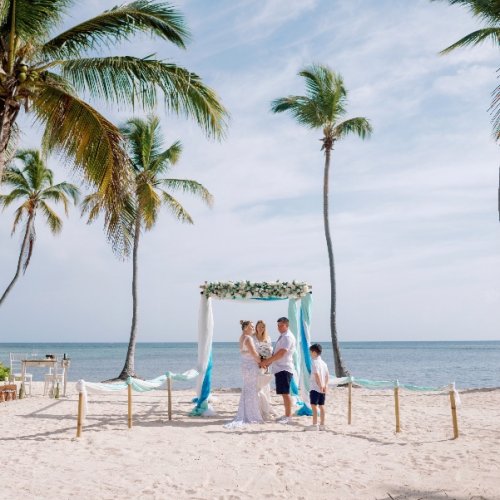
x,y
197,458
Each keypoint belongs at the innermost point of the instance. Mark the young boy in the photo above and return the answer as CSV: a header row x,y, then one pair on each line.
x,y
319,385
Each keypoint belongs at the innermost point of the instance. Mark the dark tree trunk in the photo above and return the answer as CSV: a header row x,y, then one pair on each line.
x,y
129,367
9,109
24,246
340,370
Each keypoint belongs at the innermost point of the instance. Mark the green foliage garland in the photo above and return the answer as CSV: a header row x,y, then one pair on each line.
x,y
247,290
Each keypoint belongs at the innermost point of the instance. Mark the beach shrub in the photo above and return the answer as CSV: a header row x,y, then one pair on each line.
x,y
4,372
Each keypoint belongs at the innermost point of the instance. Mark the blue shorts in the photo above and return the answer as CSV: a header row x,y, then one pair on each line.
x,y
317,398
283,380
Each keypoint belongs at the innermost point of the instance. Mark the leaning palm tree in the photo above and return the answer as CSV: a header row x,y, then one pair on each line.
x,y
49,77
322,108
33,185
151,190
489,12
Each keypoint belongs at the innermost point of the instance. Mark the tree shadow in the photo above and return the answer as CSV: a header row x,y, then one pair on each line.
x,y
418,494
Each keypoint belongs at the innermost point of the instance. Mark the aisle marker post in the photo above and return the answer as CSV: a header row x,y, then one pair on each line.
x,y
129,406
454,411
169,389
396,405
79,419
349,402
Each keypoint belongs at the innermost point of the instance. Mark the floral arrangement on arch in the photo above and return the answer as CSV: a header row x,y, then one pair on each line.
x,y
248,290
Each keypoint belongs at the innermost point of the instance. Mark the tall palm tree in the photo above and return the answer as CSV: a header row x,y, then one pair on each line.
x,y
489,12
33,185
322,108
151,190
50,77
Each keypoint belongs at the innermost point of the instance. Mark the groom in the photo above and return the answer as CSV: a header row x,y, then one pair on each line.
x,y
282,361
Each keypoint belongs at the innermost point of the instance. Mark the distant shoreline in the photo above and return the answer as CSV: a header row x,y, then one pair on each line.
x,y
342,342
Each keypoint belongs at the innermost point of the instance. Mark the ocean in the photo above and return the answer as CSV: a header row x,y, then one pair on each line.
x,y
470,364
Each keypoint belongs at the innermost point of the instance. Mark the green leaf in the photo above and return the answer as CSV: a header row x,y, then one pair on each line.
x,y
120,24
130,80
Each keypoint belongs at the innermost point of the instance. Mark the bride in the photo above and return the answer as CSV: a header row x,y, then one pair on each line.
x,y
264,347
249,409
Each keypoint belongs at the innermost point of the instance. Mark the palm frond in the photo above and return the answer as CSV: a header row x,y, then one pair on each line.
x,y
189,186
359,126
162,161
92,205
93,144
123,222
13,176
178,211
57,196
475,38
143,140
325,88
149,203
131,80
324,102
34,18
120,24
37,174
303,109
12,144
53,220
18,216
4,13
7,199
495,111
488,10
61,189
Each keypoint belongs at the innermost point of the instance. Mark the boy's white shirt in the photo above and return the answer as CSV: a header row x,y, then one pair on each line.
x,y
321,368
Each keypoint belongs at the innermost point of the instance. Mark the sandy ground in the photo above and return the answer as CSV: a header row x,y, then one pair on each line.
x,y
197,458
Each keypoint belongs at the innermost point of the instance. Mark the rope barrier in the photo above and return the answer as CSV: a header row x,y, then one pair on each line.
x,y
396,386
131,384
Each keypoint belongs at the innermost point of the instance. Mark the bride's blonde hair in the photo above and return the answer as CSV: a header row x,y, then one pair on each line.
x,y
265,335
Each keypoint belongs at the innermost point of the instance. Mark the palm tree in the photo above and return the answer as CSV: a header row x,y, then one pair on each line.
x,y
489,12
33,185
151,190
321,108
47,77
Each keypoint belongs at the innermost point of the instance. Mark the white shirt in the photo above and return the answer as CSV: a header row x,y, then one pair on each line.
x,y
319,367
287,342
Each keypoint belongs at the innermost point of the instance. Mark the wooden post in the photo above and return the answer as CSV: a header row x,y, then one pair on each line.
x,y
454,413
169,389
80,416
396,406
129,406
349,404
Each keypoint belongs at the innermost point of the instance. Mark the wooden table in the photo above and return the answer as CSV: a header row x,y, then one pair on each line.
x,y
51,363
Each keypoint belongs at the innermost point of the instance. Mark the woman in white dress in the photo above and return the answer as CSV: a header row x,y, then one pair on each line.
x,y
263,344
248,409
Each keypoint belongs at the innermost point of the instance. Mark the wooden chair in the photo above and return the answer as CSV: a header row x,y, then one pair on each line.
x,y
16,369
52,378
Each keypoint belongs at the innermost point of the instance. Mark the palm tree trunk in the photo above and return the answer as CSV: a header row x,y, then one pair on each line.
x,y
129,367
9,109
340,370
26,238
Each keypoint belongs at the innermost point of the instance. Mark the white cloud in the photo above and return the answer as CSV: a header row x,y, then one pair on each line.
x,y
415,223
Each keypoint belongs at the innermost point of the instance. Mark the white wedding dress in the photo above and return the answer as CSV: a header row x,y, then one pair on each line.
x,y
264,388
249,408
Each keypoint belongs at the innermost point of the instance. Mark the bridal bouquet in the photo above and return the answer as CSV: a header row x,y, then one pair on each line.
x,y
265,350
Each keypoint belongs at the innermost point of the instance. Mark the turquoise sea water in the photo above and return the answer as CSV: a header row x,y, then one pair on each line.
x,y
471,364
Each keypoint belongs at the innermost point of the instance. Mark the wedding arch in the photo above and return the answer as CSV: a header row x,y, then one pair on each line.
x,y
299,296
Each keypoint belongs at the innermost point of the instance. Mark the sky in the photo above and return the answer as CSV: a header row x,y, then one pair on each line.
x,y
414,209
